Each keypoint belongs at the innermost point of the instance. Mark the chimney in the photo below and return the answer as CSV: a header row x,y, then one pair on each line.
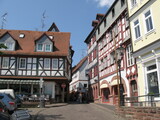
x,y
99,17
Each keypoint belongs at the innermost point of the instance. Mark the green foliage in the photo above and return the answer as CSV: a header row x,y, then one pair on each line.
x,y
2,46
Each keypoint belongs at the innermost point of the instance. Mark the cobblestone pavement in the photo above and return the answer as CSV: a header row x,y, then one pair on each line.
x,y
73,112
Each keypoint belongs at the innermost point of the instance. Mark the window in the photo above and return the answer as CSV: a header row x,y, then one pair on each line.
x,y
46,63
122,2
44,47
98,30
22,63
105,22
137,29
39,47
110,35
55,64
133,86
113,12
133,3
130,59
152,79
5,62
48,47
85,85
21,35
112,58
9,46
148,21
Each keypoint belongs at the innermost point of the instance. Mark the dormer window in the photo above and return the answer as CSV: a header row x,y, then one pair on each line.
x,y
39,47
44,47
48,47
44,44
8,41
9,46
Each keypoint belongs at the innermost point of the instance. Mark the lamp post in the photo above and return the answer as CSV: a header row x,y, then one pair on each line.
x,y
88,92
119,52
42,101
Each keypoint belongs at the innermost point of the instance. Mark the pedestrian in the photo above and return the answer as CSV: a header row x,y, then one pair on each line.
x,y
80,97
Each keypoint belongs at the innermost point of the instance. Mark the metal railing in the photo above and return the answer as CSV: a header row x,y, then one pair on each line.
x,y
143,100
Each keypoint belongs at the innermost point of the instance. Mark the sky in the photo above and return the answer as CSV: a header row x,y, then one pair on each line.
x,y
74,16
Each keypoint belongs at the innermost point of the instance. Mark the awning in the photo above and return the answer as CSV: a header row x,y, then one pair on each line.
x,y
8,81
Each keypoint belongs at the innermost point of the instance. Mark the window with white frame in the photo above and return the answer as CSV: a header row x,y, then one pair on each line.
x,y
55,63
44,47
148,21
152,79
137,29
5,62
46,63
39,47
130,59
48,47
22,63
133,3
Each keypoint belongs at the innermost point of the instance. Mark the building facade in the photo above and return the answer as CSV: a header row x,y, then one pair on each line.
x,y
34,55
79,83
111,32
144,24
92,70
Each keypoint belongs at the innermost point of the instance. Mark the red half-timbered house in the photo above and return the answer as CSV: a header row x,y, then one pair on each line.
x,y
92,70
111,33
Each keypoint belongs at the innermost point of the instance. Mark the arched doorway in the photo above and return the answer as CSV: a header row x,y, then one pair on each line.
x,y
114,88
105,91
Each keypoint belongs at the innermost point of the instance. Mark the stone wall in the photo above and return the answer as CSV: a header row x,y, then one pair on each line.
x,y
139,113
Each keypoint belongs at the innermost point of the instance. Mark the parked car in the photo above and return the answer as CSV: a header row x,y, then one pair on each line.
x,y
9,101
21,115
18,101
3,112
8,91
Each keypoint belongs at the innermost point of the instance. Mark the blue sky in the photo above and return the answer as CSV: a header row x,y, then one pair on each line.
x,y
74,16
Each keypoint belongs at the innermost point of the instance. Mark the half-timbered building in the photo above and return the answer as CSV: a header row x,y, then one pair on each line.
x,y
111,33
34,55
92,70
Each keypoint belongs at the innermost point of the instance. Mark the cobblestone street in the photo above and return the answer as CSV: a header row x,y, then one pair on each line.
x,y
73,112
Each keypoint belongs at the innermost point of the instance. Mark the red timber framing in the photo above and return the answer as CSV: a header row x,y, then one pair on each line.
x,y
119,31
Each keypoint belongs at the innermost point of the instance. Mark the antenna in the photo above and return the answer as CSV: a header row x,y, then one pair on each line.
x,y
3,19
43,19
83,53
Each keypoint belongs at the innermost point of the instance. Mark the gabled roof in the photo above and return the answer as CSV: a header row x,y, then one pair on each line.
x,y
75,68
27,44
53,27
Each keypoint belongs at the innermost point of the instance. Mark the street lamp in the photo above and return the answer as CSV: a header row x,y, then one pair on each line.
x,y
88,92
119,52
42,101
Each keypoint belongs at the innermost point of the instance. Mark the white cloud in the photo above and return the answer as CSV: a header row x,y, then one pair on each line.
x,y
102,3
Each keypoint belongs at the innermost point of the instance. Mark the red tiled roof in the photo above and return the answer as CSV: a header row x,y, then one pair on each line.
x,y
61,42
79,64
